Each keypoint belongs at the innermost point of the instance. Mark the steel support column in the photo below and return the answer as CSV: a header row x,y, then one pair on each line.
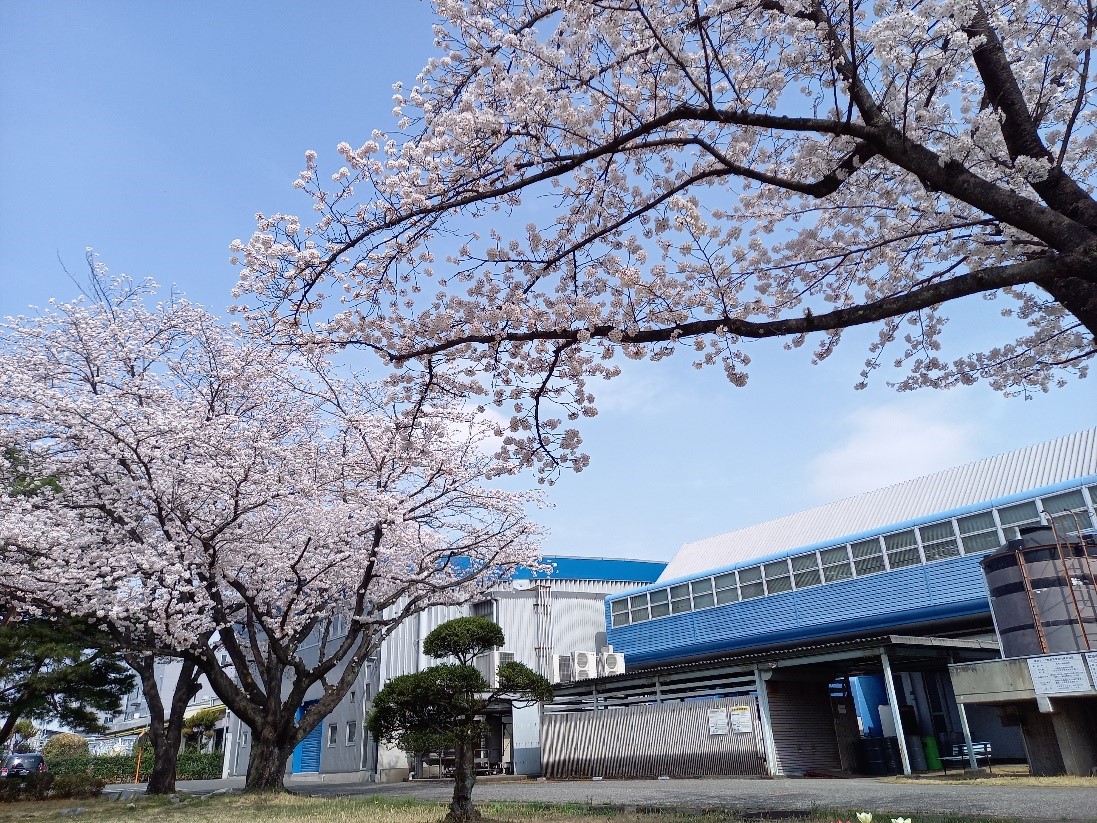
x,y
893,699
767,725
966,729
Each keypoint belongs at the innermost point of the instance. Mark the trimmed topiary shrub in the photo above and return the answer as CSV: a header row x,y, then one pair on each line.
x,y
36,786
77,787
65,745
119,768
199,765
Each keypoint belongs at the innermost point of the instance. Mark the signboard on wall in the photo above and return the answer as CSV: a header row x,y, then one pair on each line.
x,y
1059,674
718,721
741,721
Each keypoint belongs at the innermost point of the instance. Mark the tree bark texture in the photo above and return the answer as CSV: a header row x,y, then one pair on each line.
x,y
165,729
464,780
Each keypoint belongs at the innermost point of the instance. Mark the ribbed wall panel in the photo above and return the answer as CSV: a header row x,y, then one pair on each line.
x,y
648,741
948,588
1035,467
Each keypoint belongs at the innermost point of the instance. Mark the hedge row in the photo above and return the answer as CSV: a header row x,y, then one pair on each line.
x,y
50,786
120,768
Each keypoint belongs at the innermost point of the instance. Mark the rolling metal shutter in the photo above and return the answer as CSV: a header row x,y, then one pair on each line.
x,y
803,726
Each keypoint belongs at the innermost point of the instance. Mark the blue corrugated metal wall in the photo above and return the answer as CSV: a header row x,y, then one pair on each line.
x,y
939,590
306,755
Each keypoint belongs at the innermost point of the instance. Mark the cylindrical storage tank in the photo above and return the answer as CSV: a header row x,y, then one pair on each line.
x,y
1043,594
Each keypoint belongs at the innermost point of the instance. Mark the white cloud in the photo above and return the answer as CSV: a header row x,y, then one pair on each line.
x,y
641,388
892,443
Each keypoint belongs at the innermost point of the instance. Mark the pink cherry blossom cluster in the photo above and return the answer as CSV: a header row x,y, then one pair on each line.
x,y
207,489
575,181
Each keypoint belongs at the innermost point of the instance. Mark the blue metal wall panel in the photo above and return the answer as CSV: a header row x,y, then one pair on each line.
x,y
945,589
306,754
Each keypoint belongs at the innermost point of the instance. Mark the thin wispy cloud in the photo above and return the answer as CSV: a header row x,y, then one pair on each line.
x,y
888,444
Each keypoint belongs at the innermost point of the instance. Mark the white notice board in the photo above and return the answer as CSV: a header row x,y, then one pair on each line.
x,y
717,721
741,720
1091,659
1059,674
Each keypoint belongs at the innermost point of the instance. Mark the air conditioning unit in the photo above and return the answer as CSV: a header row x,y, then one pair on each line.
x,y
562,670
611,663
488,665
584,665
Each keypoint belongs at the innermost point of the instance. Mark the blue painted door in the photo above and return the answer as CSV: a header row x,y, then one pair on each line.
x,y
306,755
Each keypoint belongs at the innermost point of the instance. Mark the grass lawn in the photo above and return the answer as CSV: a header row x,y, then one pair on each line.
x,y
287,808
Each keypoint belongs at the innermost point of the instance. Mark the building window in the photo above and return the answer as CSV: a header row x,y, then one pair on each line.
x,y
805,570
750,583
726,589
679,598
835,564
619,612
1067,512
638,608
660,603
902,548
333,734
978,533
939,541
702,593
243,737
867,557
484,608
352,732
1016,516
777,577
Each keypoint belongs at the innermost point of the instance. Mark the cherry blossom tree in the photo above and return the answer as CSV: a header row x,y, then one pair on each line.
x,y
217,495
573,179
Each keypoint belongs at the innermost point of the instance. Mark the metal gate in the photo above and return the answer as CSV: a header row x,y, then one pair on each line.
x,y
673,739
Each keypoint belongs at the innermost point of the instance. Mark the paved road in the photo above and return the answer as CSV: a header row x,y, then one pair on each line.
x,y
908,799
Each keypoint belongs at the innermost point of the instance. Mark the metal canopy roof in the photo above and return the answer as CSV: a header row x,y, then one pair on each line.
x,y
726,675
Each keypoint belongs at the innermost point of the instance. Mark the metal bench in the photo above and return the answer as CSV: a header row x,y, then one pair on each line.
x,y
961,758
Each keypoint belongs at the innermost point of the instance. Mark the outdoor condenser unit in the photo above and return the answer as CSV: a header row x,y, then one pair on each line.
x,y
562,671
611,663
584,665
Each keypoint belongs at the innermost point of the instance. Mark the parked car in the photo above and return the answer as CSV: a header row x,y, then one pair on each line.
x,y
23,765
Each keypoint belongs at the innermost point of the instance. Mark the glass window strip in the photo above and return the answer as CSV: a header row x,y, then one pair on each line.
x,y
970,533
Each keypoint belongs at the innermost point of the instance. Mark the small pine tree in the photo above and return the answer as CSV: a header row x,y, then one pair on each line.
x,y
438,707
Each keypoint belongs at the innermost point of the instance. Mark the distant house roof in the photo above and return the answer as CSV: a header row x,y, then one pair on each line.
x,y
598,568
1040,467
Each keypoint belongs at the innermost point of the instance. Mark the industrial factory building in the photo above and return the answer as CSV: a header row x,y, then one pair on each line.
x,y
821,642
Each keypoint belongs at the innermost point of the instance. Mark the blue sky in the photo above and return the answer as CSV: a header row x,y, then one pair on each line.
x,y
154,131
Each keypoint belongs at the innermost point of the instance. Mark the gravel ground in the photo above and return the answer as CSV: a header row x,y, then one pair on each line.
x,y
909,800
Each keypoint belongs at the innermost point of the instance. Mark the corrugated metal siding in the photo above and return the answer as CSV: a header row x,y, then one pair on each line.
x,y
648,741
803,727
945,588
1034,467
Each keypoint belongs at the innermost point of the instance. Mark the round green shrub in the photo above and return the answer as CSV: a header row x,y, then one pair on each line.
x,y
65,745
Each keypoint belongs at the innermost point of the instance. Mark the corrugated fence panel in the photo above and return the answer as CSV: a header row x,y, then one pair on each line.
x,y
803,726
648,741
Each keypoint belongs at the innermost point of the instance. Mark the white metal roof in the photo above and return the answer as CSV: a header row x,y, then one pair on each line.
x,y
1034,467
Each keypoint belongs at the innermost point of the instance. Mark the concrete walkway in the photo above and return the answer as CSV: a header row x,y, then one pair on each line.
x,y
746,795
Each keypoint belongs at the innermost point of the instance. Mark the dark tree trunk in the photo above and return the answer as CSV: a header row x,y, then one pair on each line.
x,y
165,742
464,780
1078,296
270,751
165,732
